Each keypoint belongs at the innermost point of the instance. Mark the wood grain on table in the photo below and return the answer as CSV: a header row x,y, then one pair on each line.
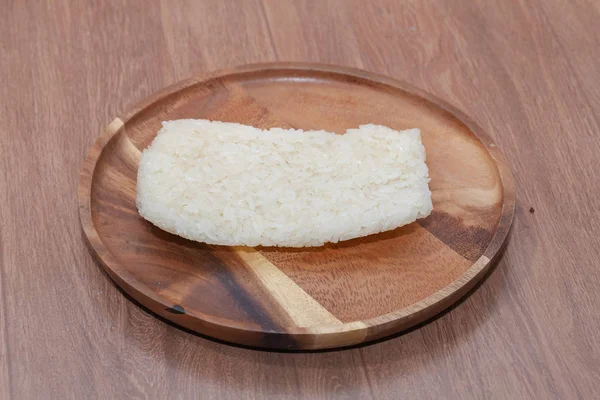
x,y
526,71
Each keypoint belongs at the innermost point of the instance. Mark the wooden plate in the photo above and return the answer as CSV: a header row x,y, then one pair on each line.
x,y
313,298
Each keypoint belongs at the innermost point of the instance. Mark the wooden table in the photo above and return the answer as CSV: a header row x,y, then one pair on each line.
x,y
527,71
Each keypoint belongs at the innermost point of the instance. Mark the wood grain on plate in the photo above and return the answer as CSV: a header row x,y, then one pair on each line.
x,y
311,298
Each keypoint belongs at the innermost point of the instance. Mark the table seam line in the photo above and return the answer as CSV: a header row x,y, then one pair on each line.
x,y
5,325
269,31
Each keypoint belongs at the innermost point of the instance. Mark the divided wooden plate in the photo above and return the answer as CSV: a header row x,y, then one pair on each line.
x,y
312,298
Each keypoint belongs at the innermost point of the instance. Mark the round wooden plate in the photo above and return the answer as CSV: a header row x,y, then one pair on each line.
x,y
311,298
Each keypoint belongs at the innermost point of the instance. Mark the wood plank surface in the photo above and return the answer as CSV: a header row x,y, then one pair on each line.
x,y
526,71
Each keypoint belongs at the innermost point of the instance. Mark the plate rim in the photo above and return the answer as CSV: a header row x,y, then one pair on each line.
x,y
436,302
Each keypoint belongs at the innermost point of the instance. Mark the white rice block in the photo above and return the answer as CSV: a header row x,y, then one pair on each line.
x,y
231,184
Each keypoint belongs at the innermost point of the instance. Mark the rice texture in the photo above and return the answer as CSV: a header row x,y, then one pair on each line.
x,y
231,184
